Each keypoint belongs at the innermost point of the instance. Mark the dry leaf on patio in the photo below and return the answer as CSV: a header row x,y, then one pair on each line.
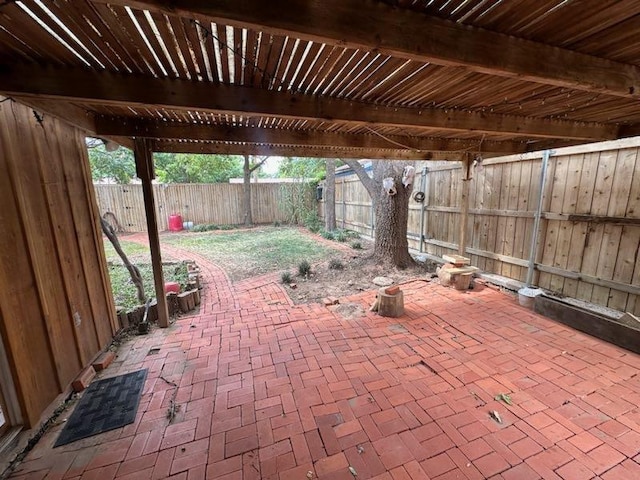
x,y
496,416
505,397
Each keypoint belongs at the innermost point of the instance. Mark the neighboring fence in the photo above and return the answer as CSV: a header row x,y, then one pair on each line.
x,y
588,243
217,203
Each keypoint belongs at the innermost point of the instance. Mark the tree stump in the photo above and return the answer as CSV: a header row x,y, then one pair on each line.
x,y
196,296
184,301
172,303
390,305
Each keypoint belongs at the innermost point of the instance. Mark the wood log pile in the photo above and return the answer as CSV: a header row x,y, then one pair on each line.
x,y
177,303
456,272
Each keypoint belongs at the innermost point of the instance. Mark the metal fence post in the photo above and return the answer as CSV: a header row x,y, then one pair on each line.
x,y
536,219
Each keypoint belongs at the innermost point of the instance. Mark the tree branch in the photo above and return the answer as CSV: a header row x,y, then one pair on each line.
x,y
257,165
368,182
136,278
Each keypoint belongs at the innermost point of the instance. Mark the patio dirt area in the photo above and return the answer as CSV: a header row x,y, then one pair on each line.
x,y
271,390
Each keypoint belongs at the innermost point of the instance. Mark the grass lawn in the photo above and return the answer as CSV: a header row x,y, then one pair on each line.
x,y
124,292
246,253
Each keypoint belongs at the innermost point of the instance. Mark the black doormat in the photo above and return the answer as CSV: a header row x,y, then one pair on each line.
x,y
107,404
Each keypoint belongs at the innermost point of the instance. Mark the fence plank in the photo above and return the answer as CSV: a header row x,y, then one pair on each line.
x,y
218,203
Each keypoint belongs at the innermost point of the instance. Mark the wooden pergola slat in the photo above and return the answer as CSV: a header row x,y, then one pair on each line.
x,y
376,26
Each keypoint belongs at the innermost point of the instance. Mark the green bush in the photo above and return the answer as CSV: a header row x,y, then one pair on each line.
x,y
356,245
328,235
340,236
286,278
304,268
335,264
312,221
204,227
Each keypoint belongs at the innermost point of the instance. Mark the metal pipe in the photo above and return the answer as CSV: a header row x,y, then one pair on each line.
x,y
533,251
423,182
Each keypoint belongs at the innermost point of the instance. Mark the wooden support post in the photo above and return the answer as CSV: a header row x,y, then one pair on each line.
x,y
464,205
145,171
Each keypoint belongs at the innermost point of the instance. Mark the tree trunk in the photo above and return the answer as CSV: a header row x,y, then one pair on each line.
x,y
391,211
392,215
330,196
246,198
136,278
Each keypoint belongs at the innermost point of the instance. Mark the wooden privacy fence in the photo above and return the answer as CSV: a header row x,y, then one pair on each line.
x,y
216,203
588,239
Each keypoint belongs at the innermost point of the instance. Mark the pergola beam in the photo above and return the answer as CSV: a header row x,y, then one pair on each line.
x,y
174,146
375,26
224,133
104,88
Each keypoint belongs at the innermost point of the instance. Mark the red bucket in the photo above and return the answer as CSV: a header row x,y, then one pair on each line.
x,y
175,223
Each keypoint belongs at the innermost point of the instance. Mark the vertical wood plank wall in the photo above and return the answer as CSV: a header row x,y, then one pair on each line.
x,y
57,309
218,203
591,258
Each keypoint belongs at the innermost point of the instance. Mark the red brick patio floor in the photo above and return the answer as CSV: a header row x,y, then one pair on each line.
x,y
271,390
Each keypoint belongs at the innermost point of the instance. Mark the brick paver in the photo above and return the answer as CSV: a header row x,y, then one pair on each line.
x,y
271,390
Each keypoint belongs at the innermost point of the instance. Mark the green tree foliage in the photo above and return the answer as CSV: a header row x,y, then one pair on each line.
x,y
194,168
118,166
295,167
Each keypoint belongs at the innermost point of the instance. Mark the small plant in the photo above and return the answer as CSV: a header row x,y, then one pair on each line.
x,y
276,223
327,234
335,264
351,234
312,222
304,268
204,227
356,245
340,236
286,278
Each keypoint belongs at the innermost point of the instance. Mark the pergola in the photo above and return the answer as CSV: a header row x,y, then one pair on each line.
x,y
400,79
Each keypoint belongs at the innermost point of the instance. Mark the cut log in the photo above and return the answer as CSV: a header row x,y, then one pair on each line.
x,y
462,281
191,299
390,305
183,301
123,318
196,297
172,303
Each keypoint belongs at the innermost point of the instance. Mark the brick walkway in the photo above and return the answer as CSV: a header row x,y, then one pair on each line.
x,y
271,390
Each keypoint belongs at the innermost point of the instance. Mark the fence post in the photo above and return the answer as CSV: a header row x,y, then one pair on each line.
x,y
464,205
533,251
344,205
423,184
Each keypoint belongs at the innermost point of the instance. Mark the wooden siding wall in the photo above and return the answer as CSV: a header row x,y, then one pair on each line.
x,y
56,306
217,203
589,238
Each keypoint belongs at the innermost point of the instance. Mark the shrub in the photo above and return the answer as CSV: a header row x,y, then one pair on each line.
x,y
312,221
340,236
328,235
286,278
304,268
276,223
335,264
356,245
205,227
